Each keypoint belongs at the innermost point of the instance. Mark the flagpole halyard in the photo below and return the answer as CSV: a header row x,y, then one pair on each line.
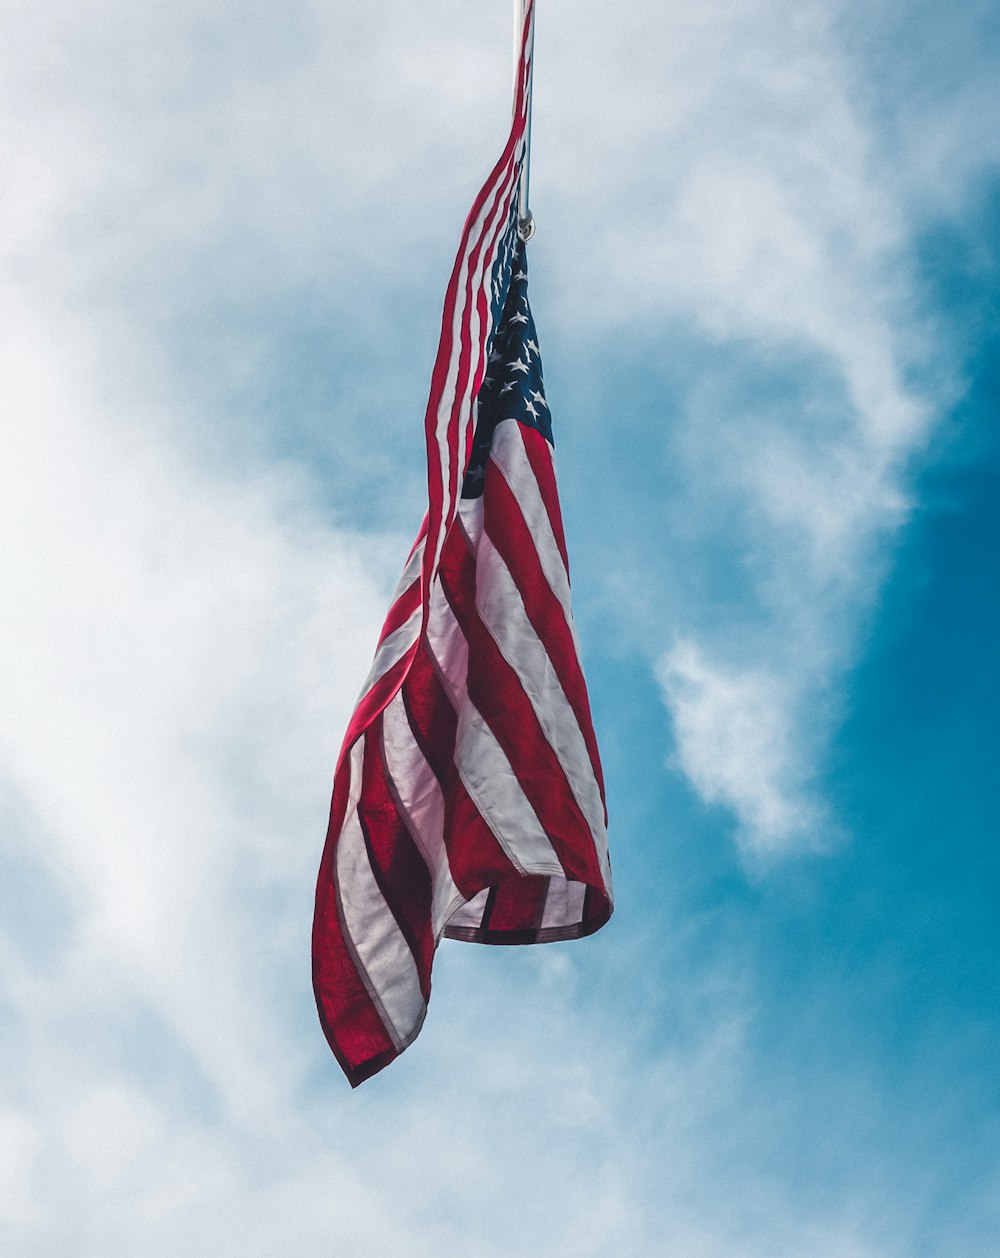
x,y
525,222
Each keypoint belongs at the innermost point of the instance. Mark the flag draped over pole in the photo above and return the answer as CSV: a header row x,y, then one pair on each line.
x,y
468,799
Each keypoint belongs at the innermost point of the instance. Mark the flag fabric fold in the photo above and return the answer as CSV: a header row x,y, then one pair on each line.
x,y
468,799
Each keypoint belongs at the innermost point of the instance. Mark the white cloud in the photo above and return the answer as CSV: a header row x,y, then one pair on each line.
x,y
523,1098
109,1130
19,1141
737,735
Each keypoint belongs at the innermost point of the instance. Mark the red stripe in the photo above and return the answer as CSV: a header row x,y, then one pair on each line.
x,y
461,408
505,167
421,534
401,610
523,62
596,910
482,302
460,414
496,692
539,454
507,530
396,861
475,857
485,291
375,699
458,574
504,189
517,906
431,716
349,1019
439,376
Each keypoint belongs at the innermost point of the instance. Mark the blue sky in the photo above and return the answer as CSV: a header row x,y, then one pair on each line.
x,y
765,280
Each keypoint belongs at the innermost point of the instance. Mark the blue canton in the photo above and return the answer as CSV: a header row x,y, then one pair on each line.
x,y
512,387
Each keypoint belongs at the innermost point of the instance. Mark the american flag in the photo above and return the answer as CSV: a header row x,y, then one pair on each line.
x,y
468,799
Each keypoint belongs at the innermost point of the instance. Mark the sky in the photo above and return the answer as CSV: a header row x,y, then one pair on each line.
x,y
765,278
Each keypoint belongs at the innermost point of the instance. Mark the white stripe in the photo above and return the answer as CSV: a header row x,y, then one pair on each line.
x,y
563,903
499,603
388,969
447,645
392,648
410,572
421,803
485,225
479,231
470,515
494,192
482,764
493,212
510,456
486,773
471,913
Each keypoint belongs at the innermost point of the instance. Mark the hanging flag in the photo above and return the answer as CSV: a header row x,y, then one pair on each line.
x,y
468,799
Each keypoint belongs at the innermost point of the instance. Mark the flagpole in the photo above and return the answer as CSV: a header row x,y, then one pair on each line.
x,y
525,222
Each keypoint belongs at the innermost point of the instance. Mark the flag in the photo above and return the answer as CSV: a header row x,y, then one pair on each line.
x,y
468,799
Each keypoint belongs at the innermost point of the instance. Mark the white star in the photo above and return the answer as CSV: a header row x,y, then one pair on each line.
x,y
518,365
530,408
519,318
537,397
507,387
532,347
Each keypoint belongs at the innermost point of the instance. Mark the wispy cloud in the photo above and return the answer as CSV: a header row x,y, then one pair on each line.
x,y
737,739
534,1098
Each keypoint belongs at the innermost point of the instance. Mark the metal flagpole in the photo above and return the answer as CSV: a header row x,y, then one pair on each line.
x,y
525,222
